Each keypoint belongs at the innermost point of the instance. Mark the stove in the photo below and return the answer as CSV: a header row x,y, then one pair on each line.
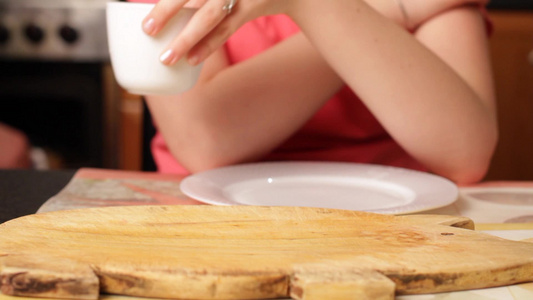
x,y
53,29
56,83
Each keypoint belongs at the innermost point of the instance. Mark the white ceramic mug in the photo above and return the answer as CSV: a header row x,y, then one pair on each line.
x,y
135,55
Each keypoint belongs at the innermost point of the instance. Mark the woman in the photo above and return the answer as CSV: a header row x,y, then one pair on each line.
x,y
404,83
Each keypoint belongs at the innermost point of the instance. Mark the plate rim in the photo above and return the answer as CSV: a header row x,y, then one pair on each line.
x,y
417,205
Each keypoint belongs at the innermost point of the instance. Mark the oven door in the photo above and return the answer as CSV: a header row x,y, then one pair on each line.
x,y
60,106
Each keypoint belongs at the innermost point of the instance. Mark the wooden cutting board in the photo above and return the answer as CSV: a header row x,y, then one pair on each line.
x,y
246,252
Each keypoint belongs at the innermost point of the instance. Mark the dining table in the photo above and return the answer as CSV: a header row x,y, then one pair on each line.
x,y
23,191
499,208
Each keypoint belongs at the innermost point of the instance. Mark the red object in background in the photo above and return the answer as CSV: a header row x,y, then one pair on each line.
x,y
14,148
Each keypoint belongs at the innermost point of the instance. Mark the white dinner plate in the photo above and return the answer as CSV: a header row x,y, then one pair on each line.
x,y
361,187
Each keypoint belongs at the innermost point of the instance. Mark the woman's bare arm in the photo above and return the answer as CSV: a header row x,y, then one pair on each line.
x,y
437,103
434,94
241,113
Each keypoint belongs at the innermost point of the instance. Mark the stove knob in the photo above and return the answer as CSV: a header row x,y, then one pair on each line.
x,y
34,33
4,35
69,34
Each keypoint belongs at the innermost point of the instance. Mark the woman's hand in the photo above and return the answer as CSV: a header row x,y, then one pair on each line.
x,y
209,28
212,25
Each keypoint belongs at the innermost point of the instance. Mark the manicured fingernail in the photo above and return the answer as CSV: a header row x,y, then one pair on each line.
x,y
168,57
149,26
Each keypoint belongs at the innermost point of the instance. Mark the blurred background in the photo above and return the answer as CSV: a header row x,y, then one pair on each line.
x,y
60,107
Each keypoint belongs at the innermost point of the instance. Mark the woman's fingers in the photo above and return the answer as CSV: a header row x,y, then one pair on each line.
x,y
214,40
207,19
163,11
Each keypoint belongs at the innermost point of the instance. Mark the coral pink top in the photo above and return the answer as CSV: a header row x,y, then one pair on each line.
x,y
342,130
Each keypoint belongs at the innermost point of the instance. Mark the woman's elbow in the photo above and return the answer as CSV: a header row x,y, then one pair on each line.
x,y
198,159
205,153
475,164
465,176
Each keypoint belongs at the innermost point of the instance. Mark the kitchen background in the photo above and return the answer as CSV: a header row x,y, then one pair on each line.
x,y
56,85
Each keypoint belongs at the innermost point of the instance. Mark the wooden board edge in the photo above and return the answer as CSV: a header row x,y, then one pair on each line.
x,y
439,283
46,277
355,284
446,220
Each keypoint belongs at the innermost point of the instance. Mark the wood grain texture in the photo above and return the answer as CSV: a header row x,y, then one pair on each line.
x,y
246,252
331,281
38,276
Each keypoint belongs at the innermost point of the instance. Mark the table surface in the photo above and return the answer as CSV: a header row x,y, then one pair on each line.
x,y
22,192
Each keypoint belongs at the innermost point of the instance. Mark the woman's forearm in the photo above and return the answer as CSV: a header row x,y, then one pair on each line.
x,y
439,107
434,113
244,111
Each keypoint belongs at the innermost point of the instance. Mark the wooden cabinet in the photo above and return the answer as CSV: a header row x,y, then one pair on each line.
x,y
131,132
512,53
